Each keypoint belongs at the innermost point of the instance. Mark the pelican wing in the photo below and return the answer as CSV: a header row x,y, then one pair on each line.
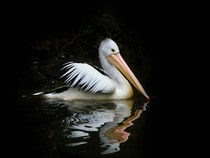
x,y
86,78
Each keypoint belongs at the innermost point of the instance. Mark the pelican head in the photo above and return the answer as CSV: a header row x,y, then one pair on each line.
x,y
109,50
108,47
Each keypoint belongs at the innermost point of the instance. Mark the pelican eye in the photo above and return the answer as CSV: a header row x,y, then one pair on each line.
x,y
113,50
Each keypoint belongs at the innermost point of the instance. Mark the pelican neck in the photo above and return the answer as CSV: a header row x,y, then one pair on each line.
x,y
111,70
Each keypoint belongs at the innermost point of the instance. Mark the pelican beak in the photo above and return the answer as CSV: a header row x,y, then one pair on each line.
x,y
118,61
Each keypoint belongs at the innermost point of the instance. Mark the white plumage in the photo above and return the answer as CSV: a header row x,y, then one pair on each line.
x,y
85,82
87,78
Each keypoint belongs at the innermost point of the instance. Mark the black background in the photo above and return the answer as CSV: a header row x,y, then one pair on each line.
x,y
164,28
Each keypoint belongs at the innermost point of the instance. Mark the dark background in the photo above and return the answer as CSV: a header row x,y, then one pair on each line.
x,y
161,29
33,29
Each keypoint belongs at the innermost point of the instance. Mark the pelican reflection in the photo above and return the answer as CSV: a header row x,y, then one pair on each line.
x,y
112,134
109,120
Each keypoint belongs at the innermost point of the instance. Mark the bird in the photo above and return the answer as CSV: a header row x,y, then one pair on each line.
x,y
85,82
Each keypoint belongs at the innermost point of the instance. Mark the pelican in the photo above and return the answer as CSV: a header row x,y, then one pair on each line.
x,y
84,82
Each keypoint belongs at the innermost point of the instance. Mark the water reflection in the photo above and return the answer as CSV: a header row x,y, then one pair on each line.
x,y
112,134
106,120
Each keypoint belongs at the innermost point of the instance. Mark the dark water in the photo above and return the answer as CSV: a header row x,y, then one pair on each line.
x,y
83,128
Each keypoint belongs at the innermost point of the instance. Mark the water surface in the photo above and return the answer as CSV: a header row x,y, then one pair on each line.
x,y
57,128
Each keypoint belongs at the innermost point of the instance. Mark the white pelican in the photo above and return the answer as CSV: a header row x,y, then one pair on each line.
x,y
84,82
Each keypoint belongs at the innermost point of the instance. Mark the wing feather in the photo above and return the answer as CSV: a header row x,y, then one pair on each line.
x,y
86,78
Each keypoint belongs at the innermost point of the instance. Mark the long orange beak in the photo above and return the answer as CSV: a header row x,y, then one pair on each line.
x,y
118,61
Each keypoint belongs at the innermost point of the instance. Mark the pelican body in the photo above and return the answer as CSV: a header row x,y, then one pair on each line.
x,y
84,82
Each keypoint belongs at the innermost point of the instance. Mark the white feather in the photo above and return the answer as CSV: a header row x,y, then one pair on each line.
x,y
86,77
